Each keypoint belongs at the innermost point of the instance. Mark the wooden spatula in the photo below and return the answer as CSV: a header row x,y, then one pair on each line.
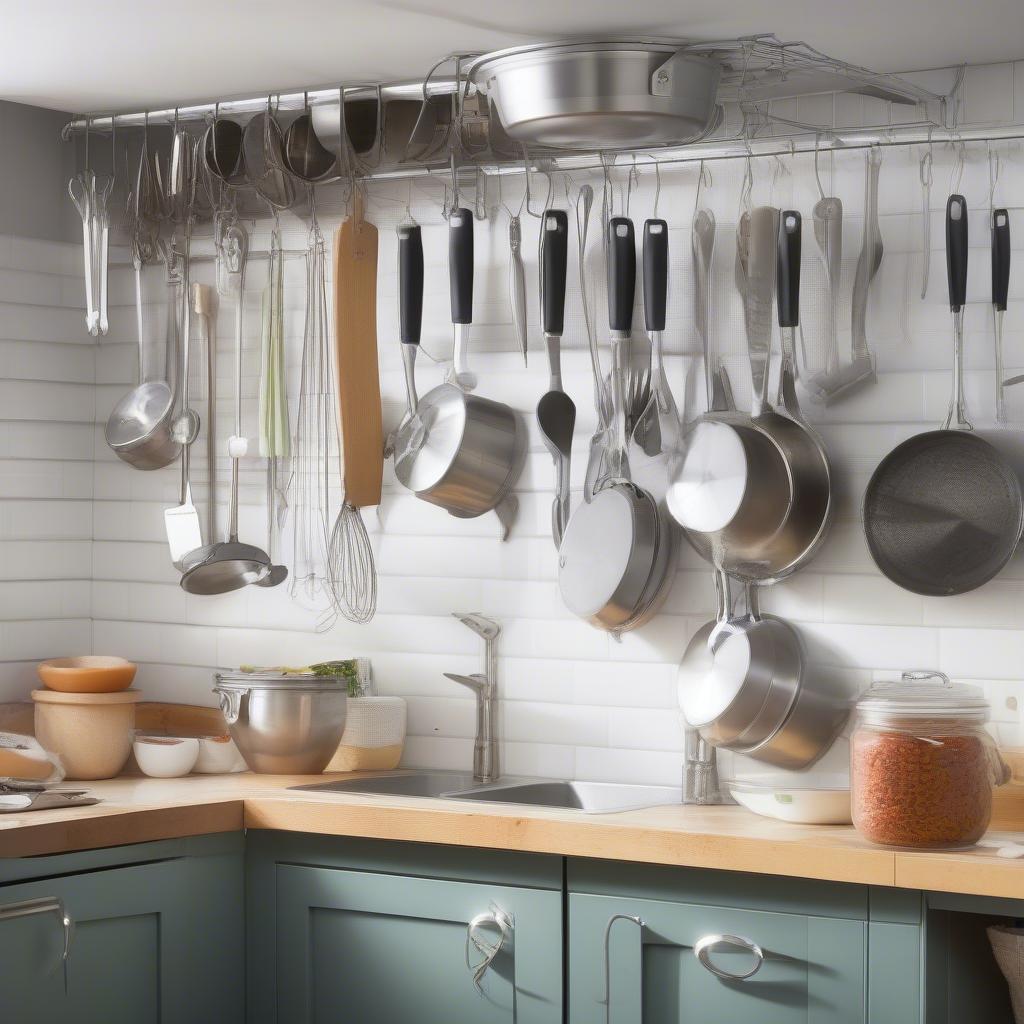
x,y
357,374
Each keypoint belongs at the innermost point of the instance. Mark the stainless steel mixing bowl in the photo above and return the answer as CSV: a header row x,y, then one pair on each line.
x,y
284,725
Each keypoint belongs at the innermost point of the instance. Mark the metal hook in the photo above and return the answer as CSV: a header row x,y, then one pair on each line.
x,y
957,173
747,186
632,180
817,172
993,174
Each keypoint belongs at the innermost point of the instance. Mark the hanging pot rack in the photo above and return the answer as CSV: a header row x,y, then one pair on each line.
x,y
752,66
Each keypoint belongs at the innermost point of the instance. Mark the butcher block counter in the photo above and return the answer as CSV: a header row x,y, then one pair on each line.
x,y
138,809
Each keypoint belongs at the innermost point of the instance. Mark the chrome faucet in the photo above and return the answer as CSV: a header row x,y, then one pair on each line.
x,y
701,784
484,686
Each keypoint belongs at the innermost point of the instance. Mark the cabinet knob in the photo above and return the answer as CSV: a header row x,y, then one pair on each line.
x,y
704,947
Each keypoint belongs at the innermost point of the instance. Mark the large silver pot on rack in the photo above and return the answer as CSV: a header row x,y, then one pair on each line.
x,y
623,94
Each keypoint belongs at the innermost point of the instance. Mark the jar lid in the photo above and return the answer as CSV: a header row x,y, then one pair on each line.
x,y
924,694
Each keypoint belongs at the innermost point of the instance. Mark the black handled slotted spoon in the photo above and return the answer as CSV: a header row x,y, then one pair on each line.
x,y
943,511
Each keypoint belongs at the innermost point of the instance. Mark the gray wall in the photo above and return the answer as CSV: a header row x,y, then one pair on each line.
x,y
34,170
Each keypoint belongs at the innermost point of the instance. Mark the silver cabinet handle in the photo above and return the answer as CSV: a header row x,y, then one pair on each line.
x,y
486,948
703,948
607,958
44,905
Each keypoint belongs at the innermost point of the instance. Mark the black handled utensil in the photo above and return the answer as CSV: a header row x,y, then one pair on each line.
x,y
556,411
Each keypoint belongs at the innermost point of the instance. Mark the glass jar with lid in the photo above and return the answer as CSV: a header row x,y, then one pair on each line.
x,y
922,764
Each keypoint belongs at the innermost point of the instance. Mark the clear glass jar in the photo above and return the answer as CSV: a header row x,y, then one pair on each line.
x,y
922,764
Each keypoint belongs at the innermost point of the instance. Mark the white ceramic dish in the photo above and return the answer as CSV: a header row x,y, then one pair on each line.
x,y
802,806
218,755
166,757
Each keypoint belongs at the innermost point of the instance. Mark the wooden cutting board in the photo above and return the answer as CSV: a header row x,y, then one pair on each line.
x,y
151,717
357,376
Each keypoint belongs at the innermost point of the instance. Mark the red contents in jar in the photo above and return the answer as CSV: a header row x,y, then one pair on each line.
x,y
925,791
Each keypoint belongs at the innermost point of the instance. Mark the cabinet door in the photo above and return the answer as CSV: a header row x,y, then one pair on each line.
x,y
354,947
812,971
149,943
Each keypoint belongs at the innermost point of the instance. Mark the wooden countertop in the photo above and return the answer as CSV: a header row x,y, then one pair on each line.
x,y
138,809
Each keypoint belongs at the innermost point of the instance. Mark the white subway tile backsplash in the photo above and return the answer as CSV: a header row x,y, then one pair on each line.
x,y
83,556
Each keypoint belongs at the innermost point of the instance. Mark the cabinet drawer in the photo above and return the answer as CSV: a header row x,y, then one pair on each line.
x,y
809,969
357,946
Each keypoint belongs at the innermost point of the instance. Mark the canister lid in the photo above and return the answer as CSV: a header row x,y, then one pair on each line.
x,y
924,694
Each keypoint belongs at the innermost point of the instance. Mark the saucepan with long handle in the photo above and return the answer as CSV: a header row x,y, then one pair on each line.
x,y
473,448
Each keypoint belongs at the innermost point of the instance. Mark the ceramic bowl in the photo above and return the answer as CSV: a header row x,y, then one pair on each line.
x,y
166,757
218,755
87,674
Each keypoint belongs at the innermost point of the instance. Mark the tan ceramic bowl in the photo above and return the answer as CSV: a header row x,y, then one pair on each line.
x,y
91,732
88,674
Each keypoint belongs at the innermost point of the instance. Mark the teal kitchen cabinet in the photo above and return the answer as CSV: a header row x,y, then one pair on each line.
x,y
350,931
662,946
159,939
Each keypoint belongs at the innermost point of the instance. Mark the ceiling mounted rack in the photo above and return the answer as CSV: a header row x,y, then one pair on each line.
x,y
421,124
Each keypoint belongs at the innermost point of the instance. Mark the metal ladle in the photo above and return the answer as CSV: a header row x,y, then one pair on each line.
x,y
229,565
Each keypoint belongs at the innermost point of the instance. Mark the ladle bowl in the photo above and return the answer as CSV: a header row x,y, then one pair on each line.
x,y
223,567
140,429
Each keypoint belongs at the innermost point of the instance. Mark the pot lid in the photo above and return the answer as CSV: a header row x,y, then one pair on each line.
x,y
278,681
924,693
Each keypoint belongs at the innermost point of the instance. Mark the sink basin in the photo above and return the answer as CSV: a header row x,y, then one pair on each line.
x,y
400,784
589,797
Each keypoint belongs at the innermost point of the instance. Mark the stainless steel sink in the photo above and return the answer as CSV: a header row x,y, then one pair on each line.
x,y
589,797
400,784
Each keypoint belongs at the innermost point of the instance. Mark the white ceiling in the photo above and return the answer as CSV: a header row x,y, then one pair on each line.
x,y
98,55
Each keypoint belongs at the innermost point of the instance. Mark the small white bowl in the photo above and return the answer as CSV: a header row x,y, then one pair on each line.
x,y
802,806
166,757
218,755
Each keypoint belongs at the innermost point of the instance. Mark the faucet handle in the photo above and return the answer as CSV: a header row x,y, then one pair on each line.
x,y
484,627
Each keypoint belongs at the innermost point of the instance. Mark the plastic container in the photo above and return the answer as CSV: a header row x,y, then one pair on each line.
x,y
374,735
922,765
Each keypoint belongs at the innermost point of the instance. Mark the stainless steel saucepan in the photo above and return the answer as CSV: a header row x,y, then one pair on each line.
x,y
473,448
617,551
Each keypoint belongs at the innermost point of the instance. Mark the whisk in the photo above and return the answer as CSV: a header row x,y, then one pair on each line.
x,y
315,436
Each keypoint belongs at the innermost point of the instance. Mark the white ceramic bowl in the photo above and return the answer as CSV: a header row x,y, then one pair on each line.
x,y
804,806
166,757
218,755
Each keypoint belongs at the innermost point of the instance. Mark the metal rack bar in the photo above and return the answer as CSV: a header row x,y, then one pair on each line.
x,y
410,90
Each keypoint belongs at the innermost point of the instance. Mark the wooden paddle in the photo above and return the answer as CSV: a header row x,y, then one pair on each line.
x,y
357,376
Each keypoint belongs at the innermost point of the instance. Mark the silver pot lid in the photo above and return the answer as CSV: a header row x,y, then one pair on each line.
x,y
278,681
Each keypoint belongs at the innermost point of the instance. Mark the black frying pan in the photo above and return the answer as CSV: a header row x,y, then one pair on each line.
x,y
943,511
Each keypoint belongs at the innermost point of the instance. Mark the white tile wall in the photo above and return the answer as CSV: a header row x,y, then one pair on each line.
x,y
574,701
47,410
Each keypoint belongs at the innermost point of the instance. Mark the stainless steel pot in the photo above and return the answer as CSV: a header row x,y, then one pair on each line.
x,y
625,94
284,724
472,449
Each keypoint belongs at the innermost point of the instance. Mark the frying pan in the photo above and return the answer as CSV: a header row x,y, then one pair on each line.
x,y
616,553
473,448
943,511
